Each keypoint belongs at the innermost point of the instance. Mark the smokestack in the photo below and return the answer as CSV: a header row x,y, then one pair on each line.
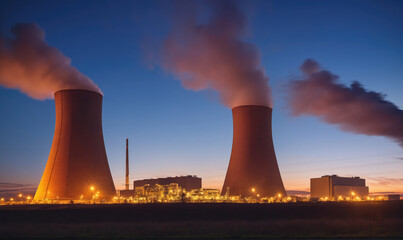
x,y
127,164
77,165
253,163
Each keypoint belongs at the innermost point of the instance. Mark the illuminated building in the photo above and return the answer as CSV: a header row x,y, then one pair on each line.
x,y
387,197
174,193
338,188
188,182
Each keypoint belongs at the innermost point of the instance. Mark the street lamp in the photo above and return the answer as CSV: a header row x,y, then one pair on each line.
x,y
92,188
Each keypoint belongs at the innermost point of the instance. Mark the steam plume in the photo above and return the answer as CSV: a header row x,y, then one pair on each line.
x,y
213,55
352,108
29,64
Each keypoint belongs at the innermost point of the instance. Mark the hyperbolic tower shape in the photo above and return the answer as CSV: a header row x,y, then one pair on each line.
x,y
253,163
77,166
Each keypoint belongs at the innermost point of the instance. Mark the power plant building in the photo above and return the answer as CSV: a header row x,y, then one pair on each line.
x,y
188,182
333,187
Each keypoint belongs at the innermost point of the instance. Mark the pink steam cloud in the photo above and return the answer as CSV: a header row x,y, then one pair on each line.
x,y
213,55
29,64
352,108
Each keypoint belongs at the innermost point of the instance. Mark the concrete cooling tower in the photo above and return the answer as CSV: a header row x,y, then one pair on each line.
x,y
77,166
253,165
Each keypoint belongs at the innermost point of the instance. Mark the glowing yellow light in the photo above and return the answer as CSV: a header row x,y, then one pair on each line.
x,y
20,195
279,195
258,195
11,199
2,199
92,188
353,193
29,197
253,190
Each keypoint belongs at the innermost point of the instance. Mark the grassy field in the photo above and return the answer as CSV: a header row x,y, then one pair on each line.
x,y
232,221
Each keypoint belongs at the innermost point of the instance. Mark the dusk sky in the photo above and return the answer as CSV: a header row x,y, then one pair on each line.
x,y
176,131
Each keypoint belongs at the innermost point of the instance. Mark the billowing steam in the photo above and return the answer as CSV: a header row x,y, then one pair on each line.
x,y
29,64
213,55
353,108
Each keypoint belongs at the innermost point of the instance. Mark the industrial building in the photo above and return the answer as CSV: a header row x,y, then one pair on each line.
x,y
172,193
333,187
188,182
387,197
253,168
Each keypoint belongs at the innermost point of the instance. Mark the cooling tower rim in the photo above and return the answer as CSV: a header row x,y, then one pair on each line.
x,y
78,90
252,105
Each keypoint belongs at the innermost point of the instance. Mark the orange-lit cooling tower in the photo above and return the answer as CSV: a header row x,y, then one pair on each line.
x,y
253,165
77,159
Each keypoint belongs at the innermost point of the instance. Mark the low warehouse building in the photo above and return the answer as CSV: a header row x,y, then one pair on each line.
x,y
334,187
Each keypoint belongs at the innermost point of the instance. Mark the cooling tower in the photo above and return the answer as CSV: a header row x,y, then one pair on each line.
x,y
253,163
77,166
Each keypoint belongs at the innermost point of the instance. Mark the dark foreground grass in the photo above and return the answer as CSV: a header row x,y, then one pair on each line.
x,y
202,229
232,221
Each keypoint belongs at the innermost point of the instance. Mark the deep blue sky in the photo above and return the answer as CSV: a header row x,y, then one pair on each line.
x,y
174,131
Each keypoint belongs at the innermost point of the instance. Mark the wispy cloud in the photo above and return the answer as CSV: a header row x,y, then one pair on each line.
x,y
13,189
380,193
10,186
298,192
385,181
